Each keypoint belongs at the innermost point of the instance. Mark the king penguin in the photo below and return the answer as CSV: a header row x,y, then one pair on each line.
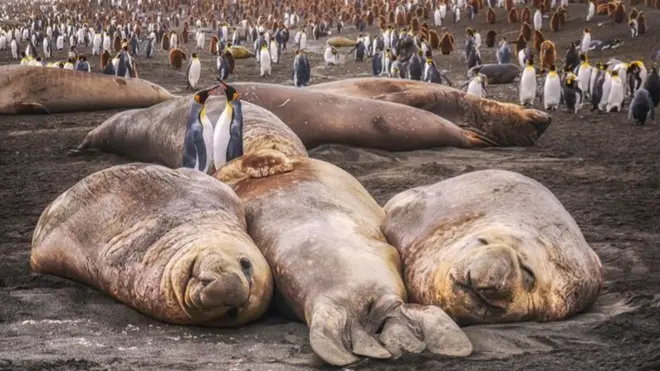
x,y
551,90
264,60
615,99
652,85
477,85
641,107
377,62
301,70
228,133
198,142
194,72
584,73
572,93
527,87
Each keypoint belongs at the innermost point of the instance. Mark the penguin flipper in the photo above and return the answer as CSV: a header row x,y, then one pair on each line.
x,y
31,108
200,145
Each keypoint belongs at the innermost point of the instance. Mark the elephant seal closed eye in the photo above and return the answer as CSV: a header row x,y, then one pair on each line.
x,y
492,246
169,243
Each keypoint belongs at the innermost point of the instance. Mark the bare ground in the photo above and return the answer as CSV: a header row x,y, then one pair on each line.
x,y
602,168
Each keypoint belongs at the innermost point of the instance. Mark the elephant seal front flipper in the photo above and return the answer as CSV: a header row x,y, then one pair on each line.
x,y
319,230
505,250
31,108
178,253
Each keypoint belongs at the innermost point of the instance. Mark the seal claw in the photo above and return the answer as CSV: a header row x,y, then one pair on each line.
x,y
366,345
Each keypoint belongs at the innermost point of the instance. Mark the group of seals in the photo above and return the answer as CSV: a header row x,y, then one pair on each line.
x,y
36,90
463,257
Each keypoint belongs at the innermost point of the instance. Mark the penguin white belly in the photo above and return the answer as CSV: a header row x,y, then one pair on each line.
x,y
3,42
607,84
586,44
106,43
207,135
115,63
521,58
584,77
200,41
97,45
528,86
14,49
551,92
273,51
438,18
475,88
303,41
221,136
264,60
194,73
615,98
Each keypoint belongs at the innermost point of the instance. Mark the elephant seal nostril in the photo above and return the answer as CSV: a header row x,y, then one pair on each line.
x,y
232,313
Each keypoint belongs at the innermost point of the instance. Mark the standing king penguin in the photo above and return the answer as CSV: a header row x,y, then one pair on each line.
x,y
228,133
527,89
301,70
198,142
264,60
551,90
194,72
572,93
615,99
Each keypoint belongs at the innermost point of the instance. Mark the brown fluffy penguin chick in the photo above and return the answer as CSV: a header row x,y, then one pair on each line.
x,y
602,9
526,15
490,38
414,24
641,23
446,44
490,15
370,19
434,40
538,40
547,54
508,5
521,43
213,45
526,31
561,14
184,33
632,2
554,22
619,14
176,58
382,22
390,17
117,44
105,58
512,17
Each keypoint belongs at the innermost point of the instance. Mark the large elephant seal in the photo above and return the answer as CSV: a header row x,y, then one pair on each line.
x,y
177,252
33,90
492,246
319,230
320,118
496,73
157,134
500,124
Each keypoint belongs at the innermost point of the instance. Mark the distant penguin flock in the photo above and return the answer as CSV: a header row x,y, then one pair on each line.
x,y
408,42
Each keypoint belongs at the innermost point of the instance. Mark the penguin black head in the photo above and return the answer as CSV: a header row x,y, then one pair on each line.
x,y
194,55
231,93
552,68
583,57
615,73
203,95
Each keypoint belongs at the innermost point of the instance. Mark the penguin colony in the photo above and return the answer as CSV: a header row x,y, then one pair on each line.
x,y
409,38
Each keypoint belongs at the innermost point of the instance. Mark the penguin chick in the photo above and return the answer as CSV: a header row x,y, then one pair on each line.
x,y
641,107
301,70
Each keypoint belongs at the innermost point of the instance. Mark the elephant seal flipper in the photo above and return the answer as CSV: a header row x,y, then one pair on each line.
x,y
179,253
505,251
31,108
319,229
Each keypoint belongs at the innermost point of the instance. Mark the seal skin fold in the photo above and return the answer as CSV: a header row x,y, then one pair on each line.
x,y
494,123
156,134
170,243
319,230
36,90
505,251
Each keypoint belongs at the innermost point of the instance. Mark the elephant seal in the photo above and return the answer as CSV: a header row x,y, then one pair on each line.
x,y
240,52
496,73
33,90
340,42
319,230
498,124
157,133
504,250
178,253
319,118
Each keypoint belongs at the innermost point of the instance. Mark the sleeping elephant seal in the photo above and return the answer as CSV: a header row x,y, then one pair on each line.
x,y
319,230
499,124
178,253
505,250
496,73
33,90
158,133
320,118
